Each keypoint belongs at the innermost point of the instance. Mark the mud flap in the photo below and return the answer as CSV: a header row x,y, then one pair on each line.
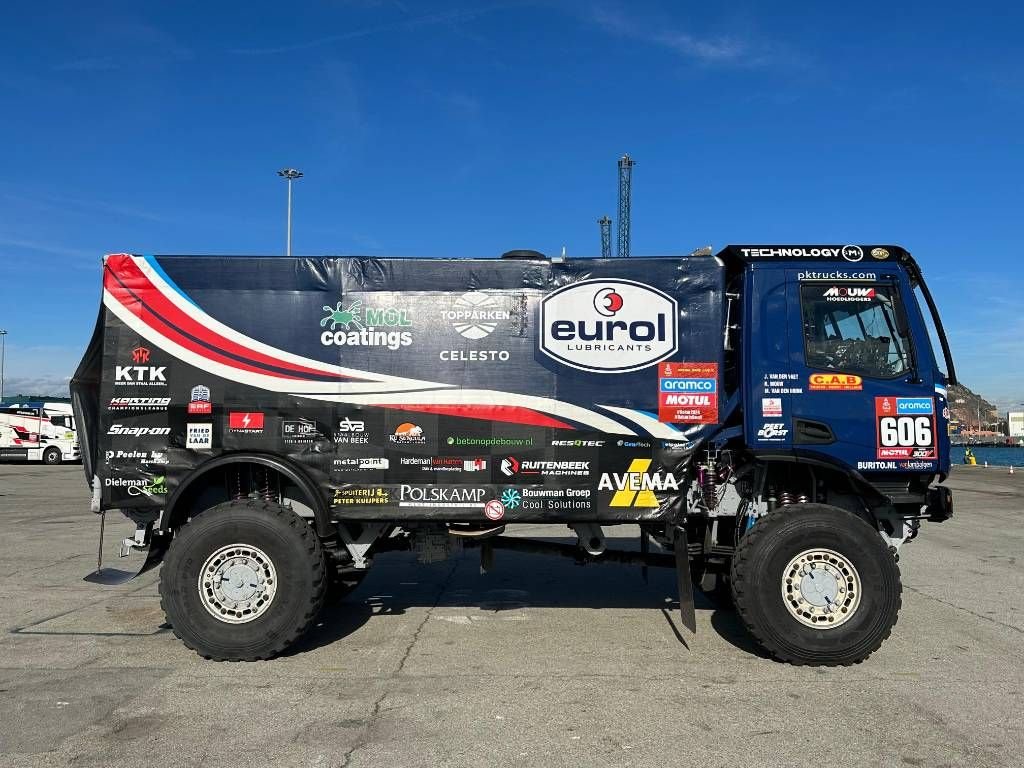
x,y
154,549
687,613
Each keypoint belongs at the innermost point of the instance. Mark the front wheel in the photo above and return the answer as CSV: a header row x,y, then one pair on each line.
x,y
51,455
243,581
816,585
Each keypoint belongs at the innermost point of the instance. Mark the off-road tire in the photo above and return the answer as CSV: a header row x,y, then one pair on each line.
x,y
52,456
298,559
757,576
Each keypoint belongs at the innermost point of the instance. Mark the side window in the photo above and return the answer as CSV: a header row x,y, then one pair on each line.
x,y
855,328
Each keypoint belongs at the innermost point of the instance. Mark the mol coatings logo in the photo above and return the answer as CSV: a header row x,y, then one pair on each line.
x,y
636,486
608,326
351,326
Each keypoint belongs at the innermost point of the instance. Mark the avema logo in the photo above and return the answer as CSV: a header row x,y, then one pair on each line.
x,y
359,330
636,487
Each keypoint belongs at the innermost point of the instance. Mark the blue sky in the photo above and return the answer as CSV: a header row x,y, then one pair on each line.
x,y
467,129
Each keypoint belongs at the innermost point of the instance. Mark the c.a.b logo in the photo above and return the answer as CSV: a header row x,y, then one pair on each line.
x,y
609,326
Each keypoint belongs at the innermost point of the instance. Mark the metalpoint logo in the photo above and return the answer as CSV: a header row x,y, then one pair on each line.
x,y
636,486
608,326
361,330
475,315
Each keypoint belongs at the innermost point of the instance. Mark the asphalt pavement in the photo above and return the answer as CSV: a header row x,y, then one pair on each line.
x,y
538,663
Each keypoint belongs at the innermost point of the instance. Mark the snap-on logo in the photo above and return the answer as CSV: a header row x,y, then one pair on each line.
x,y
609,326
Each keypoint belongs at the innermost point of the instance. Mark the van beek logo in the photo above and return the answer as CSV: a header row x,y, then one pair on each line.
x,y
609,326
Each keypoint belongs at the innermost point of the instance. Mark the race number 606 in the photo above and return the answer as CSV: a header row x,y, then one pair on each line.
x,y
905,431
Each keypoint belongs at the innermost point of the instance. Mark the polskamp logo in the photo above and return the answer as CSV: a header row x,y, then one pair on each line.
x,y
475,315
609,326
773,430
441,496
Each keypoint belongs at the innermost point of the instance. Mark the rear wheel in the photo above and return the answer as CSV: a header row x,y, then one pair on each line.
x,y
243,581
816,585
52,455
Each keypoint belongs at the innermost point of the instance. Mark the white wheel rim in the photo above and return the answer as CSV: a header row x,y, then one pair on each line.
x,y
821,588
237,583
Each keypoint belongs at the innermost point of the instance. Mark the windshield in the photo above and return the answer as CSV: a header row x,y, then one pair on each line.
x,y
855,328
933,334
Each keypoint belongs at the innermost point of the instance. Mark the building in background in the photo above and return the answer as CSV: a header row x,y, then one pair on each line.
x,y
1015,423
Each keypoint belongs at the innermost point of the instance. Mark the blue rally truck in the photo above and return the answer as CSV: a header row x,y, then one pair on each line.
x,y
773,418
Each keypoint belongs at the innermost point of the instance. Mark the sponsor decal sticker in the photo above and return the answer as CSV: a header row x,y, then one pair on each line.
x,y
199,400
637,485
351,432
578,443
246,422
350,326
360,497
138,374
139,404
474,465
774,431
879,253
835,382
455,496
120,430
408,433
141,457
688,393
849,293
905,428
836,275
608,326
494,510
512,466
300,431
512,498
771,407
489,442
199,436
474,355
475,315
853,252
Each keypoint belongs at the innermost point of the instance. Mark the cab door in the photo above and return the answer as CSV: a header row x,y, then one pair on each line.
x,y
865,400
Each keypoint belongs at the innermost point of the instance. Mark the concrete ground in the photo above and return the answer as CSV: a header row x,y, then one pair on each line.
x,y
539,663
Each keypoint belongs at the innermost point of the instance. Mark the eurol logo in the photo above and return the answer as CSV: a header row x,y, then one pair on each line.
x,y
609,326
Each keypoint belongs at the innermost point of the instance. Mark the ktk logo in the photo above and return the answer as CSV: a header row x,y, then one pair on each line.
x,y
249,423
140,355
140,375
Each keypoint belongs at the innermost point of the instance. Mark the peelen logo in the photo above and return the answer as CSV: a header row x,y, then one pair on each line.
x,y
608,326
835,382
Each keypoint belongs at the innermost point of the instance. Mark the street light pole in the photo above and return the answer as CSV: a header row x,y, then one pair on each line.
x,y
3,356
290,175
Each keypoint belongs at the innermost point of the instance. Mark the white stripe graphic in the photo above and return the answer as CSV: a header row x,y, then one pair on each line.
x,y
367,393
651,425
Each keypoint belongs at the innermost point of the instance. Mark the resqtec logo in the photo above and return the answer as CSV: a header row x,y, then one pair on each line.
x,y
608,326
246,422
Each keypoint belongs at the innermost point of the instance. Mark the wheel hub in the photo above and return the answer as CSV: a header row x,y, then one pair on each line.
x,y
237,583
821,588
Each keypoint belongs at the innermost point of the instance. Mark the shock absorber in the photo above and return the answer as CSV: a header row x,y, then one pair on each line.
x,y
709,482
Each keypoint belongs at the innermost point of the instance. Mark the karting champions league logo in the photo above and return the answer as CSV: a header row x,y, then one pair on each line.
x,y
608,326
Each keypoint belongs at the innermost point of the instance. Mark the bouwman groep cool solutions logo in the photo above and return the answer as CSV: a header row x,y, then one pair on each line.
x,y
609,326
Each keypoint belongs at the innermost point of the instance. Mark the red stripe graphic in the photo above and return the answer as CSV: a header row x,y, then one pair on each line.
x,y
124,269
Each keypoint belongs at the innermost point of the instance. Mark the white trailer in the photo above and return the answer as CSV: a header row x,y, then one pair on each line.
x,y
38,431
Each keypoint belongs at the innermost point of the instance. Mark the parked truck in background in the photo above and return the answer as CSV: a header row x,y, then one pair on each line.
x,y
773,418
38,431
